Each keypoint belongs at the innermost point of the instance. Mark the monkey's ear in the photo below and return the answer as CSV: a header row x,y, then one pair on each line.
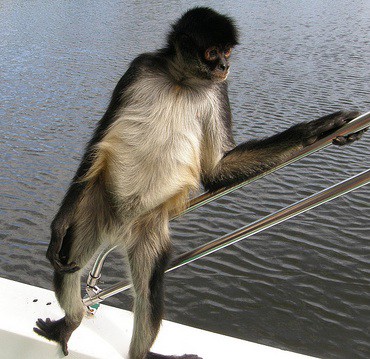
x,y
185,44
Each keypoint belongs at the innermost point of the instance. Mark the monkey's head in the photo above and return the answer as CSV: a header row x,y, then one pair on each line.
x,y
202,40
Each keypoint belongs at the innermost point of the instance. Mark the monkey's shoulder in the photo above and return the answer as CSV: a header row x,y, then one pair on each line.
x,y
121,94
156,61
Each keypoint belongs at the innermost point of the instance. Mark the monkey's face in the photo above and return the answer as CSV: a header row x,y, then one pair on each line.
x,y
216,60
202,40
203,64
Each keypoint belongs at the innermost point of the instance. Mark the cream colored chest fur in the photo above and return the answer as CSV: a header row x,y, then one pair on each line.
x,y
153,151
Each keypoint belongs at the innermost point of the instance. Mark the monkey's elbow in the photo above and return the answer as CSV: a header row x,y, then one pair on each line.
x,y
211,185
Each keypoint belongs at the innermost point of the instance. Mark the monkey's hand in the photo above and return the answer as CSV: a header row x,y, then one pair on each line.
x,y
59,247
310,132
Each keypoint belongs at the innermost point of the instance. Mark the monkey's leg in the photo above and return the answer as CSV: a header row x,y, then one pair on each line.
x,y
148,256
149,304
68,293
67,287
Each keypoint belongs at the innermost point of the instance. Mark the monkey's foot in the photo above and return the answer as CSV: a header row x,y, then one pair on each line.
x,y
56,330
151,355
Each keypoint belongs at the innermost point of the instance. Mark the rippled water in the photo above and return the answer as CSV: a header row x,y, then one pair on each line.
x,y
303,285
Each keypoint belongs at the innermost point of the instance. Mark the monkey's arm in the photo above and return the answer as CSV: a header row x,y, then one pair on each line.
x,y
59,227
254,157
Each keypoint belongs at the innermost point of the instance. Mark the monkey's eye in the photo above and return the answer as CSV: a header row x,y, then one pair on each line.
x,y
211,54
227,52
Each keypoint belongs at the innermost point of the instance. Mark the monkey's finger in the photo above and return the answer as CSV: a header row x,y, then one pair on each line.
x,y
339,141
57,237
345,140
53,251
64,346
50,253
330,123
71,267
350,115
65,268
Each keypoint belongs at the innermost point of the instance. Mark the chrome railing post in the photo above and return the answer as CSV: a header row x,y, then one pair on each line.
x,y
95,273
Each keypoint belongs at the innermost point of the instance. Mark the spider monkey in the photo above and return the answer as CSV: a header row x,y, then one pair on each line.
x,y
167,130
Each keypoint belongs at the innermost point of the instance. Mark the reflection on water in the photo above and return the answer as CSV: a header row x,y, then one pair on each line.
x,y
301,286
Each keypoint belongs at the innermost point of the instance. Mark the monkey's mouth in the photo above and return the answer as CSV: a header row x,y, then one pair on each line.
x,y
221,76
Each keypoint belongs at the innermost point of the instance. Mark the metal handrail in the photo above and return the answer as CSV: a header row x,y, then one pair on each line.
x,y
282,215
96,295
271,220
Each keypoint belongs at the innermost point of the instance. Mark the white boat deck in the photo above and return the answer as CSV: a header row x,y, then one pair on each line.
x,y
106,335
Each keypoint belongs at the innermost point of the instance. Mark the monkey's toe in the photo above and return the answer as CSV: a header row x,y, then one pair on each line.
x,y
46,328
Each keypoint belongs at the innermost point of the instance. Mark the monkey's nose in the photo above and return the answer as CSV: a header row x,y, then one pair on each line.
x,y
223,67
